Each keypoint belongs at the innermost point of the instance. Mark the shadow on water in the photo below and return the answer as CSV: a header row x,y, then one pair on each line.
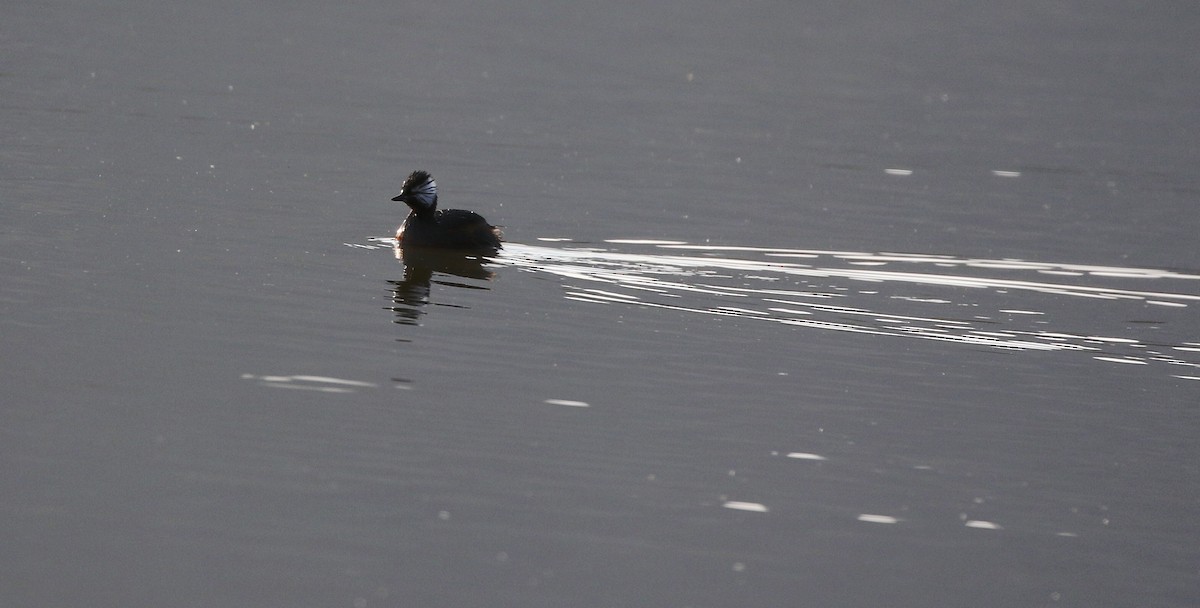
x,y
1116,315
410,295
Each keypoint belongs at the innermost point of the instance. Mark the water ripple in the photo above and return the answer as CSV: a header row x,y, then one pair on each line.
x,y
1007,304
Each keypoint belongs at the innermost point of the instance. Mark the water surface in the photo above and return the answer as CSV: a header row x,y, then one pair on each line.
x,y
836,304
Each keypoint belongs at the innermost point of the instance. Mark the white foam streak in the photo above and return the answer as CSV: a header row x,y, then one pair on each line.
x,y
798,294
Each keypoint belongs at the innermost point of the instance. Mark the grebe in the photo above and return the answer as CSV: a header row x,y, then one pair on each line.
x,y
428,226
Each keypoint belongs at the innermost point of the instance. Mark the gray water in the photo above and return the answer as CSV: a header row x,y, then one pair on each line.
x,y
803,305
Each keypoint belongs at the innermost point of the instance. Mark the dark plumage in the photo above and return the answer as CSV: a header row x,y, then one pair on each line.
x,y
427,226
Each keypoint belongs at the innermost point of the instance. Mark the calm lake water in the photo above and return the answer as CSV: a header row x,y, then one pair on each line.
x,y
821,305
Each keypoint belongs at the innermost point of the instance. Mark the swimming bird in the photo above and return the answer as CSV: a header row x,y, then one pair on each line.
x,y
428,226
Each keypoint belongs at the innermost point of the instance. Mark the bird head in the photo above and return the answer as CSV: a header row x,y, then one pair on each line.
x,y
419,192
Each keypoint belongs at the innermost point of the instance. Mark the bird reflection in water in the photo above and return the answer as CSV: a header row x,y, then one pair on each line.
x,y
410,295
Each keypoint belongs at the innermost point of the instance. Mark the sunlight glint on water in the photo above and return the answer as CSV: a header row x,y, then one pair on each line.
x,y
930,297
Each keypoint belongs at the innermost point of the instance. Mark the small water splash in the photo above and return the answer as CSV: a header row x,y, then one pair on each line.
x,y
1006,304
